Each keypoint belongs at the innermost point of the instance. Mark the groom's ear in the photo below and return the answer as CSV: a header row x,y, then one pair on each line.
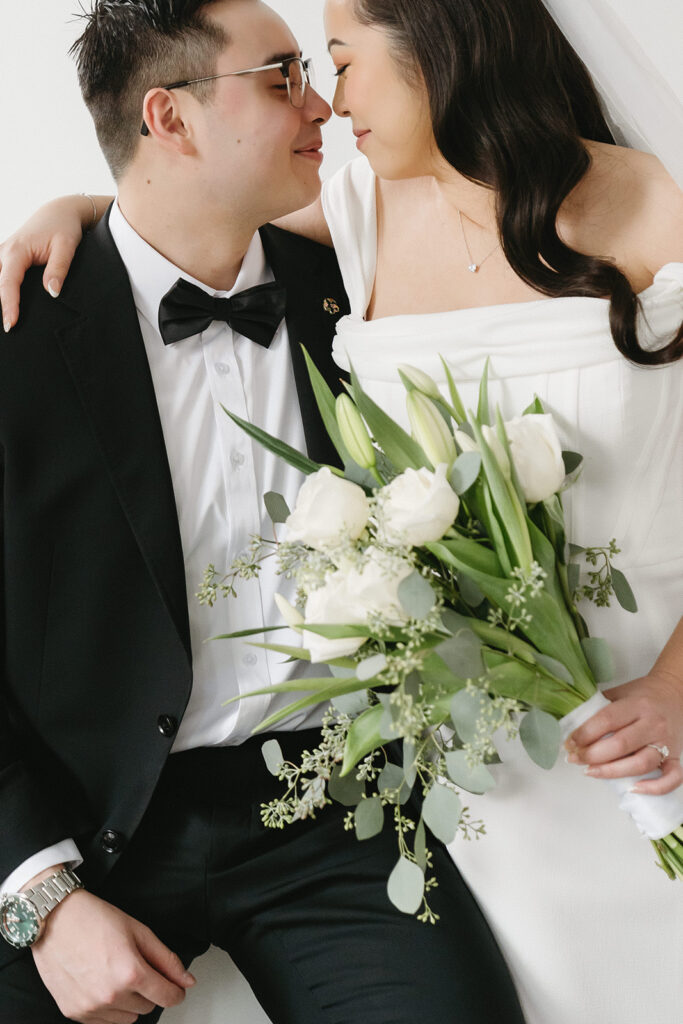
x,y
164,121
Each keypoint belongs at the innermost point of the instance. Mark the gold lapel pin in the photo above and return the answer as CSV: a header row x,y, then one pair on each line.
x,y
331,306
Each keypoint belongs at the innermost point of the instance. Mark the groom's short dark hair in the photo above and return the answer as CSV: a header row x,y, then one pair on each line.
x,y
129,47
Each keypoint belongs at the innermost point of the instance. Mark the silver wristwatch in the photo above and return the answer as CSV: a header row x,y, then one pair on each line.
x,y
23,914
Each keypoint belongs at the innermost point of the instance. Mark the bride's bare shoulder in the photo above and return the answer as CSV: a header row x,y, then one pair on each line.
x,y
309,222
629,208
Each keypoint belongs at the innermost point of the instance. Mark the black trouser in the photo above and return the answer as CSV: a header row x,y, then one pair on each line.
x,y
302,911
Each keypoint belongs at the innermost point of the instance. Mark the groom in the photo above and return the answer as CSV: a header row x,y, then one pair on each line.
x,y
129,795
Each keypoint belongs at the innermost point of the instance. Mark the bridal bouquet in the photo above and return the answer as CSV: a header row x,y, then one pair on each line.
x,y
436,584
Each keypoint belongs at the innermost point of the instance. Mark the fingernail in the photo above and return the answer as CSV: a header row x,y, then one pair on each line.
x,y
189,979
7,324
591,771
54,288
570,745
633,789
572,758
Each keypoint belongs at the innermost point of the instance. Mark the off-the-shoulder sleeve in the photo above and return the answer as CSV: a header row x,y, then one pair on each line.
x,y
661,307
350,208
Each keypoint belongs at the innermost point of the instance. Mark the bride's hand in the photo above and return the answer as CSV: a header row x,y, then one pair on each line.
x,y
643,713
49,237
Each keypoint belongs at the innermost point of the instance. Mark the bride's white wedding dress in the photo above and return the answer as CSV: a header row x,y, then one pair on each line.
x,y
591,928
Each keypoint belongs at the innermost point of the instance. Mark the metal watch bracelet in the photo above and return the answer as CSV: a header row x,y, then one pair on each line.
x,y
52,890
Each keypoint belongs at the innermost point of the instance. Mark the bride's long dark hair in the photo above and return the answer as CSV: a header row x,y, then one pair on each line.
x,y
510,103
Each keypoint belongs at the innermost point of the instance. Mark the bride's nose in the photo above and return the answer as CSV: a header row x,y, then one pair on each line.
x,y
339,102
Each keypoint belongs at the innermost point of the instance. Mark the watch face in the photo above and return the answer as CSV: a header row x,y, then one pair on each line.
x,y
19,920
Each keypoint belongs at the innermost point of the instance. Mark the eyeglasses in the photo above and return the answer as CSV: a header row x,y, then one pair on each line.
x,y
296,71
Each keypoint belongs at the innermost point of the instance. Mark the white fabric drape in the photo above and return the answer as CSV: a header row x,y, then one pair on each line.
x,y
642,109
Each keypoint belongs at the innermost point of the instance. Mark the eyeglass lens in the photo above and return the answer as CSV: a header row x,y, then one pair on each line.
x,y
299,75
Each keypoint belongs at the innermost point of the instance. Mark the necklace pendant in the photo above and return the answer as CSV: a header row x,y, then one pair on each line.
x,y
473,268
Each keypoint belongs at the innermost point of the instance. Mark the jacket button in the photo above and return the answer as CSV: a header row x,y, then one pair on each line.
x,y
112,842
167,725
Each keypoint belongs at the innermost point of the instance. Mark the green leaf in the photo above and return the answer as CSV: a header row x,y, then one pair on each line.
x,y
466,711
474,780
396,444
536,408
416,596
466,554
541,736
345,789
409,766
405,887
599,657
392,779
362,738
462,654
555,667
277,447
276,507
623,592
273,756
573,574
326,403
458,409
371,667
572,461
465,471
469,591
247,632
483,411
351,704
369,818
576,549
441,812
420,847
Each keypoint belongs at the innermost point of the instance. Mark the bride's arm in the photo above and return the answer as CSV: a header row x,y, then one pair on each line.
x,y
52,234
49,237
646,713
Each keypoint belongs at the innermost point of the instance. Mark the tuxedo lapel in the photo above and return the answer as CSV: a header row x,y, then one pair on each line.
x,y
315,301
105,353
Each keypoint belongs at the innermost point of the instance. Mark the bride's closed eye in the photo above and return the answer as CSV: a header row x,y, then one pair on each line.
x,y
340,71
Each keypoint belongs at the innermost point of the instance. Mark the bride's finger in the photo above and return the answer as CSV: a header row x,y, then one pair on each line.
x,y
62,249
11,276
670,779
622,743
619,714
645,760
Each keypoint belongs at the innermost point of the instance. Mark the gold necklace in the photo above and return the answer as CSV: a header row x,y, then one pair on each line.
x,y
472,266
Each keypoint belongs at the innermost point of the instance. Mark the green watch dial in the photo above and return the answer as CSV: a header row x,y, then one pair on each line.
x,y
19,920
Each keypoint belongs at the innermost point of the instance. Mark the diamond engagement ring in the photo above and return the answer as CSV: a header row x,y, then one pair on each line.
x,y
662,750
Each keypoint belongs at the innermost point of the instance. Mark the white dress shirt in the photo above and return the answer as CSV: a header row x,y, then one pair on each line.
x,y
219,479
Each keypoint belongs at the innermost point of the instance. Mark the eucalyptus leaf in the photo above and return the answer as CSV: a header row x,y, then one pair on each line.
x,y
465,471
273,756
541,736
573,575
623,592
357,475
369,818
572,461
575,549
342,671
416,596
276,507
392,781
462,654
345,789
466,711
420,847
469,591
409,766
370,667
555,667
599,658
405,887
474,780
352,704
441,811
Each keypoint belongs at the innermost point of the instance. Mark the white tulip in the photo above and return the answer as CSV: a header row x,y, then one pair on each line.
x,y
328,511
537,455
417,507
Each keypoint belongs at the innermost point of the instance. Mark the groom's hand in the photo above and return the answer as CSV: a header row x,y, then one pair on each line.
x,y
102,966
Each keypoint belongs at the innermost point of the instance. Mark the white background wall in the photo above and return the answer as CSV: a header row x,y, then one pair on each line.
x,y
48,148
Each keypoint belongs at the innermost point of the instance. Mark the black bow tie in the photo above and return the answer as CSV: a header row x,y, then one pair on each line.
x,y
187,310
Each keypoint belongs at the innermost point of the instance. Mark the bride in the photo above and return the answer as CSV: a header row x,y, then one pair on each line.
x,y
490,215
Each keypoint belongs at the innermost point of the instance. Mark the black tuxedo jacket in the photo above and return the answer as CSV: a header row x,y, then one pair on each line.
x,y
96,660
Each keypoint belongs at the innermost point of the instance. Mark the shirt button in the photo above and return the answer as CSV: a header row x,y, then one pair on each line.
x,y
222,369
237,458
249,659
167,725
112,842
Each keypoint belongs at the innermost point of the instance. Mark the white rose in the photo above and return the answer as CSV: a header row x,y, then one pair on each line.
x,y
417,507
537,455
350,597
328,510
